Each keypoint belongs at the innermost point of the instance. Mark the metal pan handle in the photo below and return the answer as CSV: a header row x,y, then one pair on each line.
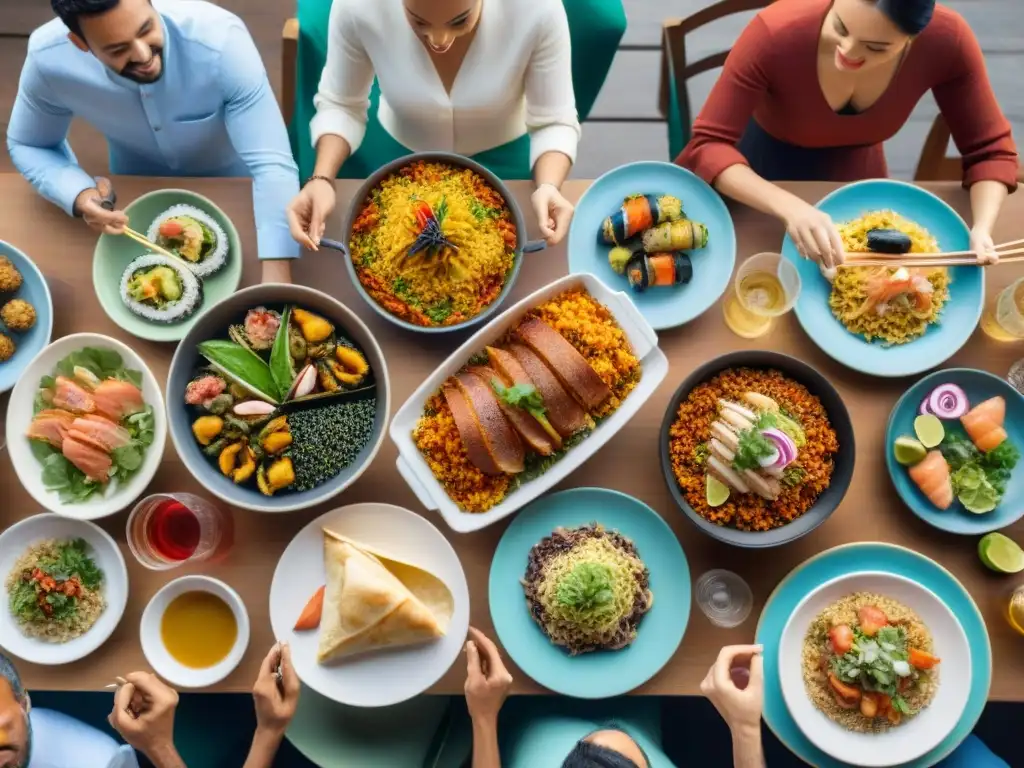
x,y
334,245
532,246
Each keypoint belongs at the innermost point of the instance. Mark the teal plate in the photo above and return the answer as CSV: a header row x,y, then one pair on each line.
x,y
114,253
853,558
979,386
27,344
959,316
600,674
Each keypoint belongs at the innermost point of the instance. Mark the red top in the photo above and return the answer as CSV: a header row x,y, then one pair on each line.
x,y
771,73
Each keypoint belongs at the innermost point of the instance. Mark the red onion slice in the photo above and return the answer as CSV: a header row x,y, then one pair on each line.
x,y
785,445
948,401
924,410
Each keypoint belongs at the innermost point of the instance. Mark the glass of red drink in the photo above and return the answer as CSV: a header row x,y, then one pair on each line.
x,y
166,530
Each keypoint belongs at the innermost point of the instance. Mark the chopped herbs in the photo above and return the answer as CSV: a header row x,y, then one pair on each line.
x,y
524,396
587,586
328,438
440,311
753,446
701,453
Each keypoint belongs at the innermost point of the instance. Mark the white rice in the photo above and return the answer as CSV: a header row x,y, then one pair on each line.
x,y
217,258
191,295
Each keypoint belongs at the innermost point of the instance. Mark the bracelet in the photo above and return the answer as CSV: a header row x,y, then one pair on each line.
x,y
317,177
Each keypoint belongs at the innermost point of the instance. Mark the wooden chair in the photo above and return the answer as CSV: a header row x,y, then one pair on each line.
x,y
289,56
675,71
934,164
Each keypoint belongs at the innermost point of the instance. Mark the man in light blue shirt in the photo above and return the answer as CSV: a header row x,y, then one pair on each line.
x,y
178,89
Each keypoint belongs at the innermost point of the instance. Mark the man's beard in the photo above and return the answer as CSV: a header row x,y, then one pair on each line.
x,y
130,71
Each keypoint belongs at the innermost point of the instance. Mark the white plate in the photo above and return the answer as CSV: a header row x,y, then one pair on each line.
x,y
386,677
18,538
414,468
917,736
19,415
167,666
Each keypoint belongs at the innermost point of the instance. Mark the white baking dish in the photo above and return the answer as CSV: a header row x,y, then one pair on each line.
x,y
416,472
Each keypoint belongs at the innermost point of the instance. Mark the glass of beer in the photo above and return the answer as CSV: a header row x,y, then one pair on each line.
x,y
1003,319
766,286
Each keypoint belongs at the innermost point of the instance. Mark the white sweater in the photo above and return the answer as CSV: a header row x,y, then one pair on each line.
x,y
516,78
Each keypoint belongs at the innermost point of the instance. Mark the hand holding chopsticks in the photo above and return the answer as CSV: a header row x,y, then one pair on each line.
x,y
141,239
1008,254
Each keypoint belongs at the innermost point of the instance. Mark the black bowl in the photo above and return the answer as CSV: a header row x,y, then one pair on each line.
x,y
838,416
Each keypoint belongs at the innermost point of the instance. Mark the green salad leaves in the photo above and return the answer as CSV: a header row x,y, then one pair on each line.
x,y
587,587
979,479
72,561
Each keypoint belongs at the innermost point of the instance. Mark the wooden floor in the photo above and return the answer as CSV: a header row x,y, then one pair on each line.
x,y
622,127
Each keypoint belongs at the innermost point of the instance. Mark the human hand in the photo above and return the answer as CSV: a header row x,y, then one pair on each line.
x,y
89,206
308,212
144,714
276,270
739,707
276,701
814,234
983,247
553,211
487,680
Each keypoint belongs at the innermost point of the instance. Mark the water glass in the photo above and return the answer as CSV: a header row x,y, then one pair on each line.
x,y
724,597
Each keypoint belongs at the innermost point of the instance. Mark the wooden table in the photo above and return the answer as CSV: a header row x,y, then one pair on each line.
x,y
62,247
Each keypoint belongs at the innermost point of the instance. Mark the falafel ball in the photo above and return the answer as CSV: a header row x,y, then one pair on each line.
x,y
6,347
18,315
10,277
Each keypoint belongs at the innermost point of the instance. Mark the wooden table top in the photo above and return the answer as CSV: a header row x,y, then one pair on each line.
x,y
62,247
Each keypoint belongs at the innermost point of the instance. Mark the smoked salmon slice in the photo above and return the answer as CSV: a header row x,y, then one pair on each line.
x,y
117,399
984,424
931,475
71,397
100,433
50,425
94,463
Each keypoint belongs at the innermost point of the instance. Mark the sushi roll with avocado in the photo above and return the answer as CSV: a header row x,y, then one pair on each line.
x,y
194,235
160,289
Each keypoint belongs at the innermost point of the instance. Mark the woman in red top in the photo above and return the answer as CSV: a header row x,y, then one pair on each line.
x,y
813,87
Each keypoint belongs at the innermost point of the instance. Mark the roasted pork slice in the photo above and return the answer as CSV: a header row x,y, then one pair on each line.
x,y
527,426
501,439
572,369
512,373
469,429
564,413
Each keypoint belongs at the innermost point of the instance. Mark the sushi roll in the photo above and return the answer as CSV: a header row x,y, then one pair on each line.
x,y
160,289
638,213
888,241
194,235
658,269
682,235
620,255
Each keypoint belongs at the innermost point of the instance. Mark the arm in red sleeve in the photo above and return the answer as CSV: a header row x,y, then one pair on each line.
x,y
979,128
731,103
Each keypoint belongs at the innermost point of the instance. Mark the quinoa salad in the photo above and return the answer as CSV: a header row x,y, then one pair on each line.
x,y
521,404
868,663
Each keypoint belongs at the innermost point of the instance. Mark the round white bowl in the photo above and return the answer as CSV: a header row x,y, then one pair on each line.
x,y
19,415
18,538
920,734
156,654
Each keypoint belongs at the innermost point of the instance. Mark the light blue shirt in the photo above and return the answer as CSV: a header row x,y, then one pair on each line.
x,y
59,741
212,113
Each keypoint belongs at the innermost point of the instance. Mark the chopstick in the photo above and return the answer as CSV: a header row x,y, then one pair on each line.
x,y
141,239
943,259
118,682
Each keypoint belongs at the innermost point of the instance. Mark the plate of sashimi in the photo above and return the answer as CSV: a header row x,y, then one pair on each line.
x,y
954,446
86,427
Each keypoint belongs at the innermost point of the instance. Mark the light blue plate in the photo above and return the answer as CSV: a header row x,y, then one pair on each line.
x,y
959,316
36,292
712,266
600,674
979,386
854,558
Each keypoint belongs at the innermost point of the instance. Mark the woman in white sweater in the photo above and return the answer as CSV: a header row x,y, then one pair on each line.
x,y
464,76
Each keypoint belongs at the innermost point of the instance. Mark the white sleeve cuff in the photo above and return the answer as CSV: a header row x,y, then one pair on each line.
x,y
554,138
335,120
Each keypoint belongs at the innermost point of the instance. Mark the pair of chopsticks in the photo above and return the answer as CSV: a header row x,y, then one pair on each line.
x,y
141,239
1008,254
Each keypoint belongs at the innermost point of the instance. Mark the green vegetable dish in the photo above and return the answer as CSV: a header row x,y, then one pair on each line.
x,y
91,427
285,403
587,589
55,590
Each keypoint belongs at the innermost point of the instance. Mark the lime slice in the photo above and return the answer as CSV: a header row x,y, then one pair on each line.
x,y
909,450
1001,554
717,491
929,430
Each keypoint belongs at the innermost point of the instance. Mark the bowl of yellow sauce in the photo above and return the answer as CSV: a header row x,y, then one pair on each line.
x,y
195,631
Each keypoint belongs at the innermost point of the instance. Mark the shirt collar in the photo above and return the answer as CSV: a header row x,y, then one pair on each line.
x,y
131,85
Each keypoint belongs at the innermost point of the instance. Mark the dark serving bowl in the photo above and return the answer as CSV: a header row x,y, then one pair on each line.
x,y
522,244
838,416
213,324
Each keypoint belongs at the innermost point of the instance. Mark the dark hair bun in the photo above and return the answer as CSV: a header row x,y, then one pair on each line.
x,y
912,16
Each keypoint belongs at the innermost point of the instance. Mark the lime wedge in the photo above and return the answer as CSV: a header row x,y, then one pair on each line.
x,y
717,491
929,430
1001,554
908,450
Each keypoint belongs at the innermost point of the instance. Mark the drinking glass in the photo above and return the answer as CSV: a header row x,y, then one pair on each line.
x,y
766,286
724,597
1003,319
167,530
